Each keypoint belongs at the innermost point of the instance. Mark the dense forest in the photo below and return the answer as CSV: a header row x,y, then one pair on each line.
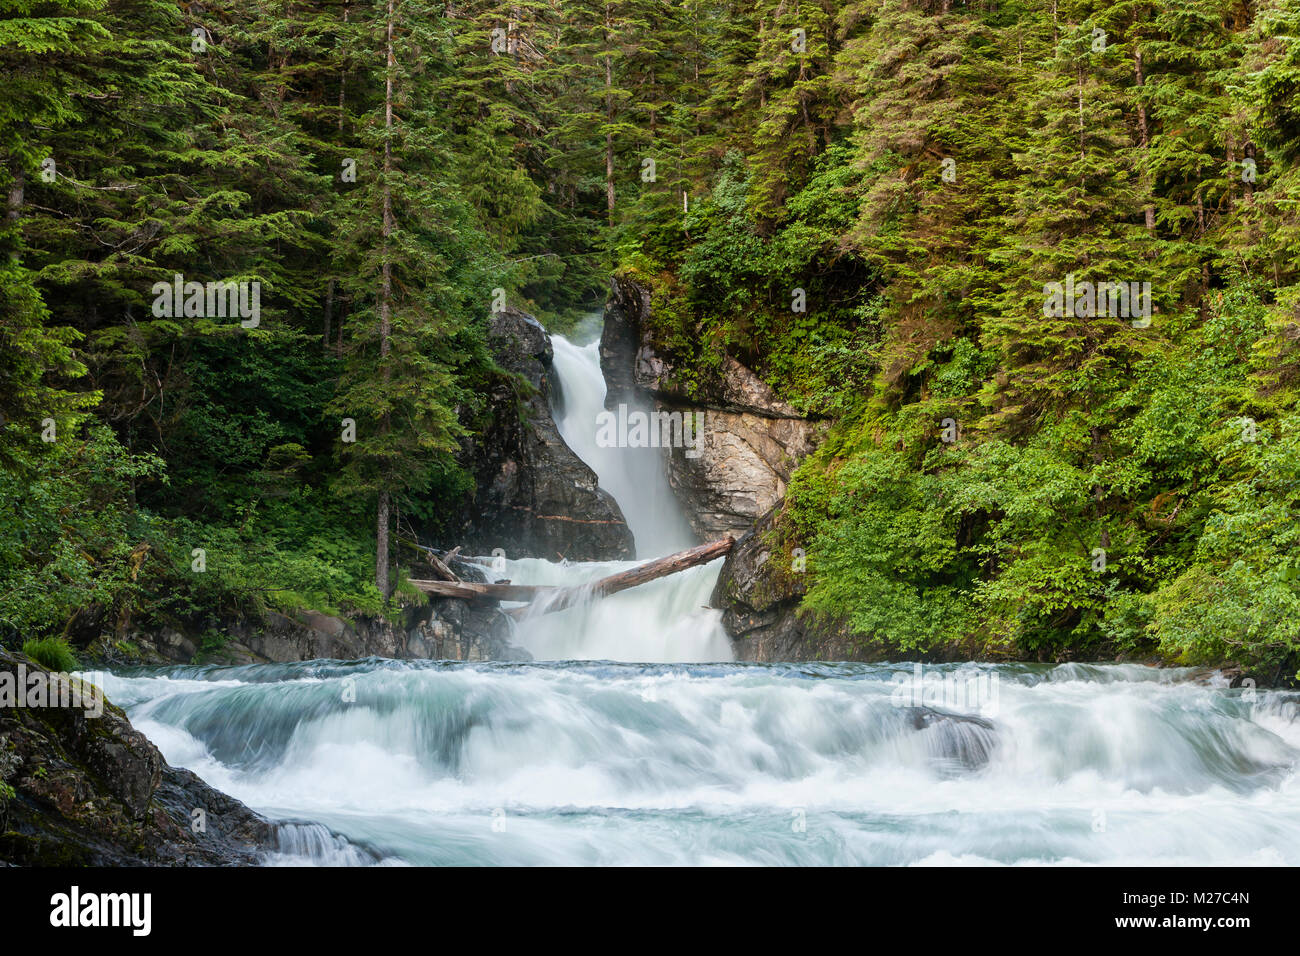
x,y
871,204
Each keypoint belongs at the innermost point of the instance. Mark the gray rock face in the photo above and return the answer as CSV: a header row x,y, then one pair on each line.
x,y
459,631
759,599
742,472
752,441
444,629
534,497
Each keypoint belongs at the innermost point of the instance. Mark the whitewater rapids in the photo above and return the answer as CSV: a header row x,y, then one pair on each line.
x,y
596,764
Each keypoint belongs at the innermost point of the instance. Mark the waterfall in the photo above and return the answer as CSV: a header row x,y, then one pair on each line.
x,y
665,620
634,476
595,755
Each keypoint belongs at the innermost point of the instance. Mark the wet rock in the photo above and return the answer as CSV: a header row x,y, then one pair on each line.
x,y
759,589
175,645
443,629
752,440
958,742
459,631
534,497
80,789
304,636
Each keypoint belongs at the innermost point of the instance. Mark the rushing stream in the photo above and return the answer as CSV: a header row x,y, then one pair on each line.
x,y
585,763
591,755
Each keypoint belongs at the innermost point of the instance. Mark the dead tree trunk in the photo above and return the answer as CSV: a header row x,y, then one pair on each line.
x,y
560,598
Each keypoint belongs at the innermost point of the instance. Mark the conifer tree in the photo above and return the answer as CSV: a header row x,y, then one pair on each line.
x,y
407,237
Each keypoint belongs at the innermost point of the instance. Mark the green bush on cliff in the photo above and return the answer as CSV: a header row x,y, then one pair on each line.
x,y
52,653
1162,521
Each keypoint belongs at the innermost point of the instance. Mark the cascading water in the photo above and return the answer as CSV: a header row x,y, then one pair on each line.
x,y
663,621
598,763
668,620
634,476
581,760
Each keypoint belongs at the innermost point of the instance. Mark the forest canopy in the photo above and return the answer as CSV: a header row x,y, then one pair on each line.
x,y
898,213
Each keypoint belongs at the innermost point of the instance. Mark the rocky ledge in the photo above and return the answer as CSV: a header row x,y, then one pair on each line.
x,y
752,440
78,789
443,629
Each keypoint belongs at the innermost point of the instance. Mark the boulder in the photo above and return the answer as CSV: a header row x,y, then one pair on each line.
x,y
759,590
533,496
80,788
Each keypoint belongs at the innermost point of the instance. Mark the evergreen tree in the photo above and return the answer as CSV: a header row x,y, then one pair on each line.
x,y
406,236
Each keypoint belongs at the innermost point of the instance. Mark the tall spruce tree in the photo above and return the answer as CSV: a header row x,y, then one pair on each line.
x,y
406,236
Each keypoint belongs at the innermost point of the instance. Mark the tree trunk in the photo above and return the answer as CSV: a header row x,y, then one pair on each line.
x,y
1144,139
386,303
1083,155
609,115
329,314
16,190
343,78
381,546
473,591
14,209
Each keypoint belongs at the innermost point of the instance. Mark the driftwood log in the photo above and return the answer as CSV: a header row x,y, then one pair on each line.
x,y
557,598
440,567
473,591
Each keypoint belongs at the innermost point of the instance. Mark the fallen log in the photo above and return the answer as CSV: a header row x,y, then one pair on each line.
x,y
557,598
641,574
473,591
661,567
443,570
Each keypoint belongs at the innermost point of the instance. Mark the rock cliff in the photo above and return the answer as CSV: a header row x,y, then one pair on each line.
x,y
752,440
534,497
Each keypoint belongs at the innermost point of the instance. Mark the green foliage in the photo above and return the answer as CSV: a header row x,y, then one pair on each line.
x,y
72,550
52,653
995,477
225,164
863,202
891,565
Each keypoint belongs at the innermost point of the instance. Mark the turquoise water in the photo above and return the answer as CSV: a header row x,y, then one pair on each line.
x,y
616,763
